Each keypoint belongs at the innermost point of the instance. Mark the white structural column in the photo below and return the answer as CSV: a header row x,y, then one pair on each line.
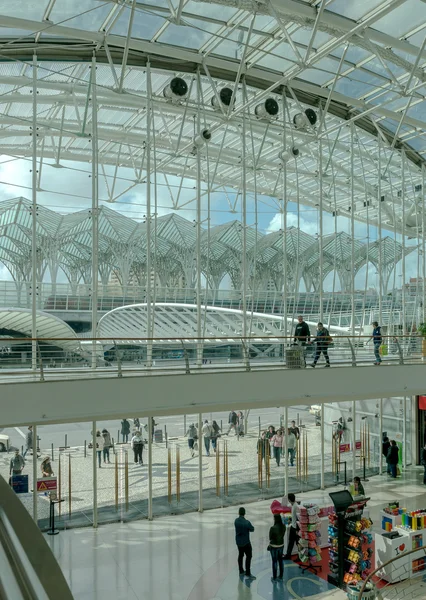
x,y
95,476
149,116
380,435
403,295
244,273
34,285
284,232
35,465
286,450
352,184
320,234
354,439
198,229
150,467
423,245
404,432
322,448
379,228
200,463
94,212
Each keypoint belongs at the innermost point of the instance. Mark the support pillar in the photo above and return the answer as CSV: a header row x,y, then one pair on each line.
x,y
200,463
322,448
150,468
35,465
94,212
34,286
95,476
286,450
354,439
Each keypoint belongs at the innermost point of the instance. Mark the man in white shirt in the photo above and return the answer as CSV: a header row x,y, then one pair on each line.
x,y
207,434
292,537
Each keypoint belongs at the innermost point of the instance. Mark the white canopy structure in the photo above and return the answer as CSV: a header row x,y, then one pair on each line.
x,y
175,323
17,322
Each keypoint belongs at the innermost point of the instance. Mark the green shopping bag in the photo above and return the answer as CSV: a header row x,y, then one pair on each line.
x,y
383,350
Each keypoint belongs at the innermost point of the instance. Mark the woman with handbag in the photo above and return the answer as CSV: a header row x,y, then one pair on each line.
x,y
215,433
276,547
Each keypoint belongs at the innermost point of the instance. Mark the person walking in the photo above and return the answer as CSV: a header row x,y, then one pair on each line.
x,y
136,424
28,440
125,430
302,335
46,467
17,464
215,433
392,459
233,422
263,444
377,342
192,436
277,445
153,426
424,463
137,447
98,446
269,435
106,445
243,527
292,538
385,447
322,340
207,434
291,446
276,547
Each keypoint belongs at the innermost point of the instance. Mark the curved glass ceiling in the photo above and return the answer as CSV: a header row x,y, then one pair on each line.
x,y
359,65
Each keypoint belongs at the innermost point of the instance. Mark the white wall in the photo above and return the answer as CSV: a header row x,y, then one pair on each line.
x,y
111,398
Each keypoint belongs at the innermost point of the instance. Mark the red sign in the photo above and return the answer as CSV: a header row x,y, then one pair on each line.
x,y
422,402
345,448
358,445
46,484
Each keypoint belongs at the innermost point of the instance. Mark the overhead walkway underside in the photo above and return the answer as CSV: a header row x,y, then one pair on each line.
x,y
103,397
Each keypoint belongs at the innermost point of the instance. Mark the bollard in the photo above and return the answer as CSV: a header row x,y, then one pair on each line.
x,y
22,450
59,484
178,474
85,449
184,425
66,441
116,482
165,434
69,485
118,436
218,468
169,475
221,426
52,453
113,446
259,427
126,479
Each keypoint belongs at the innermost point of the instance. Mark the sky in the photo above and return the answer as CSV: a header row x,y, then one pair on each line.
x,y
69,189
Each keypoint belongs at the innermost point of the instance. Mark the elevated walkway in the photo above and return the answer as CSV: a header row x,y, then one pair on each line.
x,y
104,395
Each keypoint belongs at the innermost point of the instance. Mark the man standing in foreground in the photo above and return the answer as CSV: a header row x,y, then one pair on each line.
x,y
243,527
292,538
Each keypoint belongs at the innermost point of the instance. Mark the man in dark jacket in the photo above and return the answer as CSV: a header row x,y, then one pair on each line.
x,y
302,334
392,458
232,422
385,448
125,430
243,527
322,339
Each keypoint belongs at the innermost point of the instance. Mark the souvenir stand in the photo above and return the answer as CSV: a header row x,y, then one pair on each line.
x,y
309,544
350,539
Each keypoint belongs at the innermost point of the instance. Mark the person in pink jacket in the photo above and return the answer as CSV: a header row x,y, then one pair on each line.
x,y
277,445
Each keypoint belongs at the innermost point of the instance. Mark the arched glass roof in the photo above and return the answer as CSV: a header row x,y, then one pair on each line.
x,y
358,64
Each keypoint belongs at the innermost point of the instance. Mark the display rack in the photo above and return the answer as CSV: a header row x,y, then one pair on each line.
x,y
350,541
309,544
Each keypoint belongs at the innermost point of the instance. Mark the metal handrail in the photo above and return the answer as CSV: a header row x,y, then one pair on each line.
x,y
385,564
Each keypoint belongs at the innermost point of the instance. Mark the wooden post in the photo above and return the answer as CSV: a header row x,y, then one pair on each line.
x,y
59,483
333,457
227,469
69,485
259,463
306,455
169,475
177,474
126,479
268,467
116,481
218,468
368,444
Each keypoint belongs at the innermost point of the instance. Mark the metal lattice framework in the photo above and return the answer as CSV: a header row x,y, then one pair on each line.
x,y
65,242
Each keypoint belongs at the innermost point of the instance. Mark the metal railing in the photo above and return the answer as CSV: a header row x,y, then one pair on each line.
x,y
122,357
28,569
406,573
